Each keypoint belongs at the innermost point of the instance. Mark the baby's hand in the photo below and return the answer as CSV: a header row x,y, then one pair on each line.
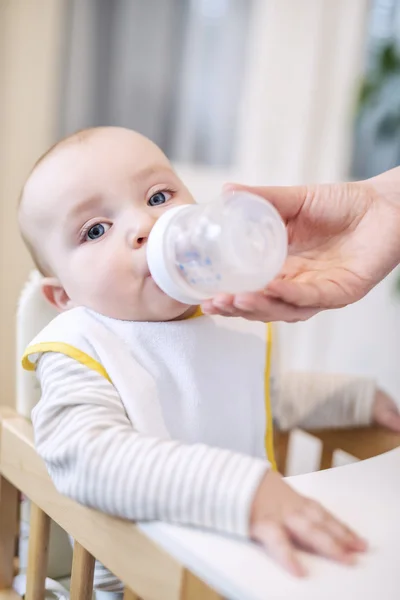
x,y
281,520
385,412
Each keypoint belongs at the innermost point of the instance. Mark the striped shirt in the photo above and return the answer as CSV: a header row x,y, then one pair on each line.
x,y
95,456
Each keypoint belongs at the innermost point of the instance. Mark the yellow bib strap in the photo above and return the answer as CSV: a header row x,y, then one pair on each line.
x,y
269,434
66,349
197,313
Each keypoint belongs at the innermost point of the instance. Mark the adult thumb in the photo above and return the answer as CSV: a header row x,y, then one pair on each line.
x,y
288,200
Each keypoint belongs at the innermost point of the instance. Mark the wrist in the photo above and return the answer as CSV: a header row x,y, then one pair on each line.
x,y
265,494
383,192
387,186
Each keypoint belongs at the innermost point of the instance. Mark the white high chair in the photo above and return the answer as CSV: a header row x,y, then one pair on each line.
x,y
34,313
130,551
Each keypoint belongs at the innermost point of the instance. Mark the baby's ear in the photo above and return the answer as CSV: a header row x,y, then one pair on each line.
x,y
55,294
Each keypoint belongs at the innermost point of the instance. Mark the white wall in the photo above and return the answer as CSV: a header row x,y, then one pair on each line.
x,y
29,52
363,339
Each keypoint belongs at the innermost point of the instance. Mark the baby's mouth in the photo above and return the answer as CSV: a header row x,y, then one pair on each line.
x,y
148,277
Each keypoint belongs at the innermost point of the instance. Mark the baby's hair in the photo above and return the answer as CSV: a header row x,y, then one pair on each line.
x,y
77,137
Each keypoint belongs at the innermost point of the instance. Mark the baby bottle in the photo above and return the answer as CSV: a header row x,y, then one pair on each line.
x,y
237,243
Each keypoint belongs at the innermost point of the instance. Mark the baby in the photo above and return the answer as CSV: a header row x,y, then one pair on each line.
x,y
151,409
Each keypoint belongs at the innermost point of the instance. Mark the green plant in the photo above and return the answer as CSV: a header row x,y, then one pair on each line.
x,y
387,68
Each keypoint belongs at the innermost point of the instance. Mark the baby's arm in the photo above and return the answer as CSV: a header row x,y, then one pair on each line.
x,y
95,456
317,400
314,400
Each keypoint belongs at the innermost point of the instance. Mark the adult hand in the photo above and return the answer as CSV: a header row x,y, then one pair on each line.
x,y
343,239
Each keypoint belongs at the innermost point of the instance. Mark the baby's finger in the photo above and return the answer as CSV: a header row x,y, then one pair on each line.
x,y
279,546
317,539
390,419
342,533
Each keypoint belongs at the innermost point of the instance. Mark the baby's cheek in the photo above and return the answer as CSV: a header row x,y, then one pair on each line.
x,y
112,283
104,282
89,278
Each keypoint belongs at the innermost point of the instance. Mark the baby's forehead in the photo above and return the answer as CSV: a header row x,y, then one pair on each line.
x,y
48,183
74,169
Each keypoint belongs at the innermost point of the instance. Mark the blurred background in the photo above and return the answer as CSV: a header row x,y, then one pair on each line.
x,y
259,91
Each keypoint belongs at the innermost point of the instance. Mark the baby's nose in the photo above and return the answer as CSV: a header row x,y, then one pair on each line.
x,y
139,230
138,241
138,235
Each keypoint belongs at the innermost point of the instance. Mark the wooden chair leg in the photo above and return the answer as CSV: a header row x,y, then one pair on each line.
x,y
326,458
361,442
129,595
194,588
38,550
9,527
281,443
82,573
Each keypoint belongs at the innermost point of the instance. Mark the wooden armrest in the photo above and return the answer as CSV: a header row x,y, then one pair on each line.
x,y
9,594
119,545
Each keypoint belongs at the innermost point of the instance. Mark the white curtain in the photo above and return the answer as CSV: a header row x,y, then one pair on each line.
x,y
305,66
171,69
363,339
302,80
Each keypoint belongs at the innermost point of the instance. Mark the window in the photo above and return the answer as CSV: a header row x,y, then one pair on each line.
x,y
377,132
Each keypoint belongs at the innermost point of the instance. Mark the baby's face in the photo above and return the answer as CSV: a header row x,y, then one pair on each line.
x,y
95,204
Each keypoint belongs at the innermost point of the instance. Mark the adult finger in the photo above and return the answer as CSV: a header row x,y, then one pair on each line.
x,y
222,304
287,200
322,293
257,307
267,308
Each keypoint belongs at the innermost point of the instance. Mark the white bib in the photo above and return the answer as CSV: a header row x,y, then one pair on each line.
x,y
204,379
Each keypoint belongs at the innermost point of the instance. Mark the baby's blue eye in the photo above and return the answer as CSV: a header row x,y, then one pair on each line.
x,y
97,231
159,198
